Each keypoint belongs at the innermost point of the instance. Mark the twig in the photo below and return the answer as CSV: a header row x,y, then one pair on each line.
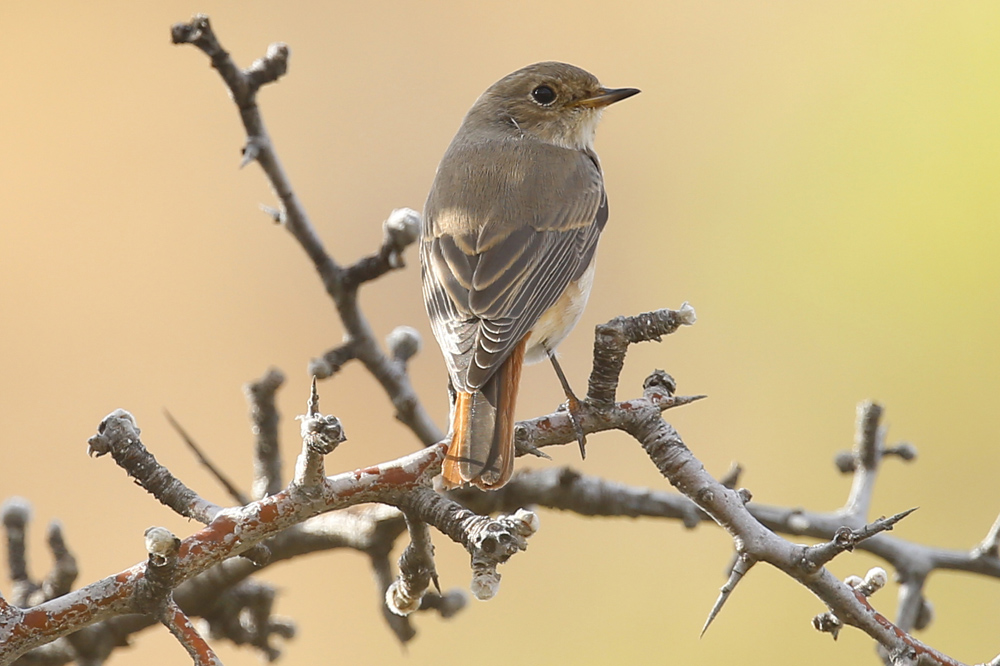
x,y
332,360
557,428
400,230
400,625
64,570
16,512
490,541
567,489
913,611
118,435
233,491
174,619
320,435
264,415
846,539
990,546
416,570
611,342
447,604
868,444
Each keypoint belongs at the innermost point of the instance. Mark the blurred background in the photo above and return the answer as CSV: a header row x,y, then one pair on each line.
x,y
818,179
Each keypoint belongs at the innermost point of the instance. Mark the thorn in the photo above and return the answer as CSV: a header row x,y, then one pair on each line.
x,y
679,400
276,214
732,477
521,444
250,152
740,568
892,520
313,399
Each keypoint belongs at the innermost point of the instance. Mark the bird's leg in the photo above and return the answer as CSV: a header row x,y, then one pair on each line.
x,y
572,402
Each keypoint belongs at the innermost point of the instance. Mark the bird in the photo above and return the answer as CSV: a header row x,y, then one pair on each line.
x,y
507,248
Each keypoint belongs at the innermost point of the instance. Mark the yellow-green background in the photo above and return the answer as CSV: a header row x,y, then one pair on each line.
x,y
818,179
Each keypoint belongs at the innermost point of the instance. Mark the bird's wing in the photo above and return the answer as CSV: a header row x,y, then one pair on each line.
x,y
502,238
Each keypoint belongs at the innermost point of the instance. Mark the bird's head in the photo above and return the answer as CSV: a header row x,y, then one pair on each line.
x,y
551,101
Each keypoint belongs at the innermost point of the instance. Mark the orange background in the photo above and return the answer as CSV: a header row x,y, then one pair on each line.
x,y
818,179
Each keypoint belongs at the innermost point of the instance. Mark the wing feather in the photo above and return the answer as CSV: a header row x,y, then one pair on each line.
x,y
501,239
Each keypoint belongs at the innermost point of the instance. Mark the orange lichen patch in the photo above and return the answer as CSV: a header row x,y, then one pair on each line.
x,y
398,476
218,529
36,620
214,532
358,473
268,513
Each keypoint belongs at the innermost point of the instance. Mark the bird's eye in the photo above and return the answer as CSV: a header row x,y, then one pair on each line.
x,y
544,95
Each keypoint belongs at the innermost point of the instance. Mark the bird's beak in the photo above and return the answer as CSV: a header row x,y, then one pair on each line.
x,y
607,96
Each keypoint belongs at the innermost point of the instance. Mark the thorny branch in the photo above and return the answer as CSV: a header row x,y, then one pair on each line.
x,y
201,575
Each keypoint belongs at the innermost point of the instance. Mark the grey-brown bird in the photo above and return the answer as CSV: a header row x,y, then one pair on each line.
x,y
507,249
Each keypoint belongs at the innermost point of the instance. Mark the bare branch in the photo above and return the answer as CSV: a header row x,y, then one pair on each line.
x,y
320,435
64,570
557,428
157,584
233,531
913,611
447,604
16,513
400,625
667,451
868,444
403,343
490,541
333,360
567,489
174,619
990,546
416,571
264,415
732,478
611,341
118,435
400,230
846,539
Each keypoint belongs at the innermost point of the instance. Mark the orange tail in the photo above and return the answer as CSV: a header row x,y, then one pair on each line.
x,y
482,443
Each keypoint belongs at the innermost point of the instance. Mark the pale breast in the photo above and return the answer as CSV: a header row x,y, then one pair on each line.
x,y
556,322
